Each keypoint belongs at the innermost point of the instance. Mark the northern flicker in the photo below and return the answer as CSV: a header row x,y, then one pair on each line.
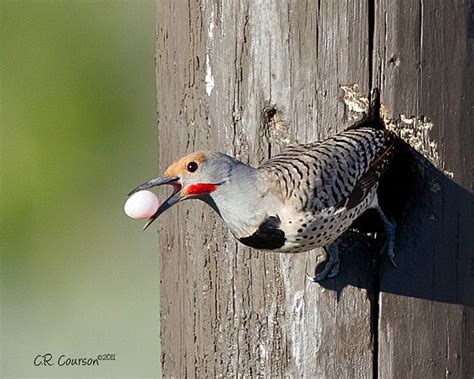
x,y
301,199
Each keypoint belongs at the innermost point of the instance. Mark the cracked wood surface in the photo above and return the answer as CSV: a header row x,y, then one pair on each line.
x,y
227,310
424,66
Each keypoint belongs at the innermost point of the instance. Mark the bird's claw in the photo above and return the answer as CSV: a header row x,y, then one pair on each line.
x,y
389,245
388,248
331,266
392,260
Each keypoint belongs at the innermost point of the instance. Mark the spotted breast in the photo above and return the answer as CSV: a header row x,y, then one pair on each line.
x,y
325,186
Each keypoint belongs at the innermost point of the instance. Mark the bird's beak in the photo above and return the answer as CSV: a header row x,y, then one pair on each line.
x,y
175,197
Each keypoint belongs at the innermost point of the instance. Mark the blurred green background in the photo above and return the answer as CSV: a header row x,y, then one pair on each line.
x,y
78,131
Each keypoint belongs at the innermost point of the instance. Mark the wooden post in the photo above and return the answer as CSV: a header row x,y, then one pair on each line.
x,y
424,66
246,78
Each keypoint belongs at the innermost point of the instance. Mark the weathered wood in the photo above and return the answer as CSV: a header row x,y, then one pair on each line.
x,y
246,78
424,66
225,309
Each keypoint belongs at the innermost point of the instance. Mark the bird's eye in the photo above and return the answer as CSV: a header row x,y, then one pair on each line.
x,y
192,166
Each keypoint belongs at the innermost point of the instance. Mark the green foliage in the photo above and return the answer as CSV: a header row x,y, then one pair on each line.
x,y
78,131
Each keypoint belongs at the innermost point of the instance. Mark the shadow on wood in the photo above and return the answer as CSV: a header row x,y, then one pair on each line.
x,y
434,242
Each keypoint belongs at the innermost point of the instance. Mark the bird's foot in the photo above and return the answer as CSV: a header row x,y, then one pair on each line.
x,y
331,266
389,245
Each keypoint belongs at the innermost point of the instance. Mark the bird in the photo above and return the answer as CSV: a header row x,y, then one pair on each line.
x,y
302,198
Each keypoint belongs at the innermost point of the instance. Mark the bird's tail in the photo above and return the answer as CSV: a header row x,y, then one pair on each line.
x,y
375,105
373,117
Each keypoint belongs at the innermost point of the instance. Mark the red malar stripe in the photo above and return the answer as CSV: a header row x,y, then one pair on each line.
x,y
200,188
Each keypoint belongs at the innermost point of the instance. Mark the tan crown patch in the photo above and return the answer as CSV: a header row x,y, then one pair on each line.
x,y
178,167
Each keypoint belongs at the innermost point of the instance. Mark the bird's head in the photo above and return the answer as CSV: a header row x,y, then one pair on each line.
x,y
196,175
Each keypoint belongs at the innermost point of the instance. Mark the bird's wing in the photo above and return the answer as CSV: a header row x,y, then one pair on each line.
x,y
336,172
377,166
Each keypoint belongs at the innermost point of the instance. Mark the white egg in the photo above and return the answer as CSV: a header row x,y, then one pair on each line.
x,y
141,205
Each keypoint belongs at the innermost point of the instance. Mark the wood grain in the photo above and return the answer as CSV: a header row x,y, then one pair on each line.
x,y
424,63
246,78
